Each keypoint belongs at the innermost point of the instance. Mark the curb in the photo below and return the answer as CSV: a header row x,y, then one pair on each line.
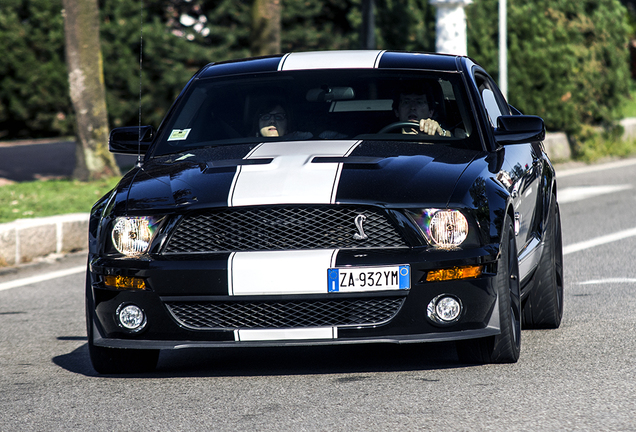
x,y
23,240
557,146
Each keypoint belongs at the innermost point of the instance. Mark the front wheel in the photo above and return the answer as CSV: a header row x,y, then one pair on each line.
x,y
505,347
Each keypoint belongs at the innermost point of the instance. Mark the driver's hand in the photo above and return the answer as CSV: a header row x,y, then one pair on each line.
x,y
431,127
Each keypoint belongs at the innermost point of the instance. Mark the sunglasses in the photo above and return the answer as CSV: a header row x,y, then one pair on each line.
x,y
277,117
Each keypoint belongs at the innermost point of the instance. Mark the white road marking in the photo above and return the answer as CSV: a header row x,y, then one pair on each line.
x,y
595,168
608,281
41,278
572,194
621,235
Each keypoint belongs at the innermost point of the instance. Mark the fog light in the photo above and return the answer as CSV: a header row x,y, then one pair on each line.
x,y
131,317
444,309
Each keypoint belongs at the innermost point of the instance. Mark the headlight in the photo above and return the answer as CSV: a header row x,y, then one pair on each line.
x,y
442,228
132,235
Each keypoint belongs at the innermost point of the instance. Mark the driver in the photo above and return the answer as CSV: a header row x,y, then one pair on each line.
x,y
415,106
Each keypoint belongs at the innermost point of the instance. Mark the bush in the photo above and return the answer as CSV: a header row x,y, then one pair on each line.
x,y
567,59
34,97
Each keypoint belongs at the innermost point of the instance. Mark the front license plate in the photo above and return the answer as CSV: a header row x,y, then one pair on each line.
x,y
358,279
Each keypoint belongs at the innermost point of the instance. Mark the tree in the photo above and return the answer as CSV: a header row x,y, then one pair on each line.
x,y
86,84
266,15
405,25
320,25
34,99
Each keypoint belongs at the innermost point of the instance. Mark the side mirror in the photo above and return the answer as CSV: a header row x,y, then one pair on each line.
x,y
517,129
127,140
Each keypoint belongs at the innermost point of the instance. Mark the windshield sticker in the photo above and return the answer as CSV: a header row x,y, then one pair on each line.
x,y
178,134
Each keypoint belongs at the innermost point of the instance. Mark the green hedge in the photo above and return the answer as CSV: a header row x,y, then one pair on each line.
x,y
568,60
34,97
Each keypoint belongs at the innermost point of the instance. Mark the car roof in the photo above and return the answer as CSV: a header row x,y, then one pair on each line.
x,y
362,59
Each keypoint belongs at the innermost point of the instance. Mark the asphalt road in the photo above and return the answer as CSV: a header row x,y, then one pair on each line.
x,y
44,159
579,377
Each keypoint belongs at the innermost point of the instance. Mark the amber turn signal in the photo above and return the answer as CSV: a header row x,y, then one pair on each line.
x,y
125,282
454,273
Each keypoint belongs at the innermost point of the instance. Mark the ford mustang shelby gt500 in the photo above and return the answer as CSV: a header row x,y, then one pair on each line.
x,y
326,198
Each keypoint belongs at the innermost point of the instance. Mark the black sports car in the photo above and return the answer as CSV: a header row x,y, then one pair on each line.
x,y
327,198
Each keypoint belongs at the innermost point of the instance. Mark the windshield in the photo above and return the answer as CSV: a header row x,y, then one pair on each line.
x,y
321,105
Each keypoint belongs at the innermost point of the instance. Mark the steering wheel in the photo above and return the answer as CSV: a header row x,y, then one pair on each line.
x,y
400,124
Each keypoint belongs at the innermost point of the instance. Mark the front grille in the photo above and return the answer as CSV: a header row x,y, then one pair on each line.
x,y
282,228
284,314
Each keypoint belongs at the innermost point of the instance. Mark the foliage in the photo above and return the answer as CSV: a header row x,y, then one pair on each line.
x,y
405,25
172,53
592,143
34,99
51,197
567,59
320,24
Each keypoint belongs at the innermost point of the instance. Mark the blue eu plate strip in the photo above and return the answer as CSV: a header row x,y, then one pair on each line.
x,y
334,280
405,277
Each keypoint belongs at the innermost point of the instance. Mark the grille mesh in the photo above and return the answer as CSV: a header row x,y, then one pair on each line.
x,y
284,314
281,228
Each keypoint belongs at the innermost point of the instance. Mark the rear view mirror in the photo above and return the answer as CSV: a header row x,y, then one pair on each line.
x,y
327,94
517,129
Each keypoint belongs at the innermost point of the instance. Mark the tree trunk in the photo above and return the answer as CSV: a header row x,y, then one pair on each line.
x,y
86,83
265,39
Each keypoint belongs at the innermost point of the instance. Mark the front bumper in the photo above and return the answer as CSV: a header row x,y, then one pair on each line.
x,y
201,281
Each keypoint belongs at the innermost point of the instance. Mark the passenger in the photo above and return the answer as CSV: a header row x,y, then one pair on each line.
x,y
273,121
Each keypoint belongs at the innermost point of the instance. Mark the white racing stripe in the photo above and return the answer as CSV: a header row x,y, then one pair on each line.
x,y
286,334
280,272
291,177
365,59
41,278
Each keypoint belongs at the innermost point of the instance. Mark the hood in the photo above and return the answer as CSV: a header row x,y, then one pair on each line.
x,y
301,172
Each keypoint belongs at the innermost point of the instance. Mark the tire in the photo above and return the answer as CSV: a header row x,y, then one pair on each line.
x,y
114,360
543,309
505,347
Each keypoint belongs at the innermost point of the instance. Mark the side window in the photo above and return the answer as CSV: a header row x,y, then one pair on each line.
x,y
490,103
491,97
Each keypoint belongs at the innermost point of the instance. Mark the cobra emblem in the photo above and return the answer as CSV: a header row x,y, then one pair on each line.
x,y
360,235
